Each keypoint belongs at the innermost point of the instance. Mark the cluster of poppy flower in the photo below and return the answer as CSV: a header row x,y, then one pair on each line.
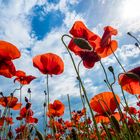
x,y
91,48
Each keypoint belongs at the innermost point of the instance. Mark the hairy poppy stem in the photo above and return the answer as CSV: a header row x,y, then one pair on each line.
x,y
47,101
82,99
84,91
48,89
117,59
69,106
107,81
78,68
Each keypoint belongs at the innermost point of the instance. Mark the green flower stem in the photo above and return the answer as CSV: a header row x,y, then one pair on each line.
x,y
117,60
84,91
69,106
105,73
83,102
122,90
78,68
17,89
47,101
136,40
111,88
48,89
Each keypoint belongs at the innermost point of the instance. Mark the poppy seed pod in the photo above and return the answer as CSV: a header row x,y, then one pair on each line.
x,y
83,44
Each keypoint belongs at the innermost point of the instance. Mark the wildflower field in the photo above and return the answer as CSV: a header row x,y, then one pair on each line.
x,y
105,116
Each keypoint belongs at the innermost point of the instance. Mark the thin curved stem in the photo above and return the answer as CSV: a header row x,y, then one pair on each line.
x,y
107,81
135,39
78,67
117,59
79,78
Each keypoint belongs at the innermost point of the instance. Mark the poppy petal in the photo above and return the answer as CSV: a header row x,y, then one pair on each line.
x,y
104,102
8,51
107,50
17,106
38,64
20,73
129,84
7,68
52,63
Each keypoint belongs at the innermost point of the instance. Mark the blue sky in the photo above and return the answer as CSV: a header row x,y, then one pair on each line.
x,y
36,26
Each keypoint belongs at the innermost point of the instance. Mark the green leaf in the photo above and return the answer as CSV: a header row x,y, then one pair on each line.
x,y
40,135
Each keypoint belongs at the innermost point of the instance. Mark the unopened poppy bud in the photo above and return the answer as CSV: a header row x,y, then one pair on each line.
x,y
26,99
28,105
129,33
29,90
136,44
77,78
79,111
11,94
45,92
1,93
44,104
110,68
82,43
105,81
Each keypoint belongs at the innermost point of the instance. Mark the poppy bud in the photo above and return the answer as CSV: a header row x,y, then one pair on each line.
x,y
136,44
28,105
79,111
11,94
77,78
110,68
1,93
26,99
29,90
45,92
82,43
129,33
44,104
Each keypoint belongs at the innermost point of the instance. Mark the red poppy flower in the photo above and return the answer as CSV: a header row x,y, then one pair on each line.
x,y
49,63
131,110
10,102
104,103
9,120
31,120
56,109
79,30
107,45
103,118
101,47
7,68
22,78
130,81
8,51
26,113
20,129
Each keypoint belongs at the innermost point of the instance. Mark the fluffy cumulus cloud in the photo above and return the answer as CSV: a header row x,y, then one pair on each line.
x,y
16,26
